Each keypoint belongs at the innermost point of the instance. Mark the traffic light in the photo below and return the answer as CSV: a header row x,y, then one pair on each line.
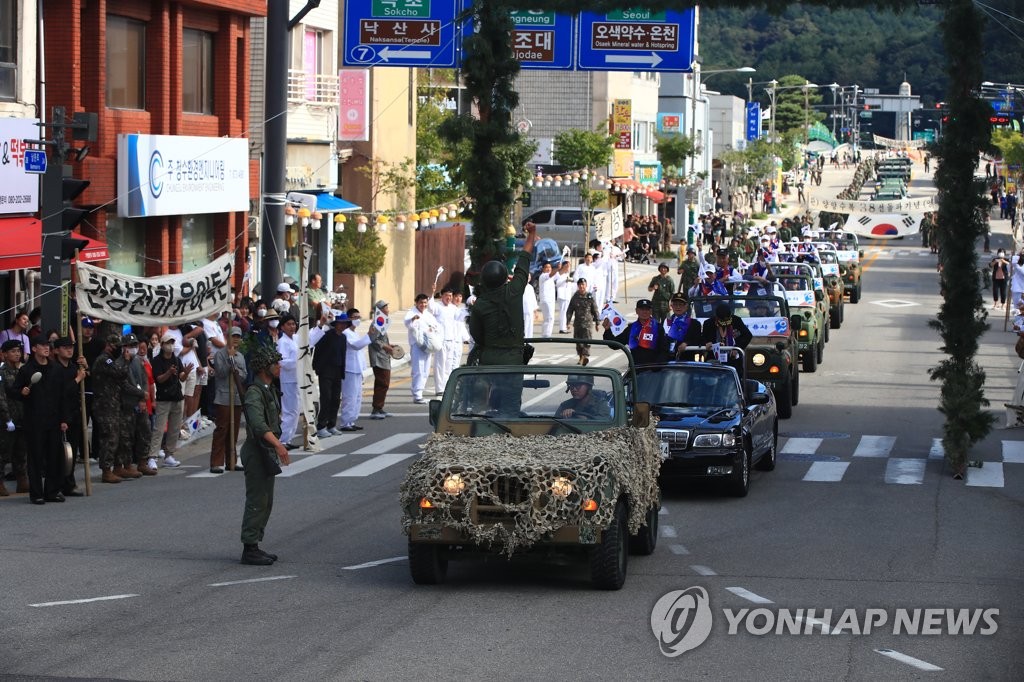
x,y
71,188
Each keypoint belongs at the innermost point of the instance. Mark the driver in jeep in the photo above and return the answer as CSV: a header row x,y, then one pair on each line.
x,y
585,403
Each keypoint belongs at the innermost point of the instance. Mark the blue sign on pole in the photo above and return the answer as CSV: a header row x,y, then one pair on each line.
x,y
35,161
542,39
636,40
753,121
402,33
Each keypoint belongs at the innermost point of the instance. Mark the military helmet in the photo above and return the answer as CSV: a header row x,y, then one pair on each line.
x,y
129,340
493,274
114,340
580,379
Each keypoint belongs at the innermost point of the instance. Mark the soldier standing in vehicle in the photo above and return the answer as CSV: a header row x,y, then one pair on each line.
x,y
584,310
496,324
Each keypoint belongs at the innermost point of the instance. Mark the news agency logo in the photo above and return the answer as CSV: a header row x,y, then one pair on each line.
x,y
681,621
156,173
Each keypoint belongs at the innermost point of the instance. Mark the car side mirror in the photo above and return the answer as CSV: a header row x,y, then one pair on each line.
x,y
435,411
795,322
641,414
819,295
759,398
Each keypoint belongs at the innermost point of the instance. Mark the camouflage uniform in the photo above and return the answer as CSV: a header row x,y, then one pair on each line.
x,y
13,449
662,295
583,315
496,324
690,274
110,375
133,440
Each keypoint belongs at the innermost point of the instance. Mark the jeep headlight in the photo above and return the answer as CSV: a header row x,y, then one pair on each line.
x,y
714,440
453,484
803,333
758,359
561,487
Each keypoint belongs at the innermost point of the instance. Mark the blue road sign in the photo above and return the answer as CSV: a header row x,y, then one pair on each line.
x,y
753,120
636,40
543,40
401,33
35,161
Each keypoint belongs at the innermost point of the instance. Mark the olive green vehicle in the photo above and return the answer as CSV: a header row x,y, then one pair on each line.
x,y
549,460
771,356
809,305
849,254
835,287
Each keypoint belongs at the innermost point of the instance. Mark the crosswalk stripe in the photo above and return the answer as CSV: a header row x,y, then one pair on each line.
x,y
826,472
332,441
874,446
306,463
904,471
937,451
801,446
1013,451
372,466
204,474
389,443
988,476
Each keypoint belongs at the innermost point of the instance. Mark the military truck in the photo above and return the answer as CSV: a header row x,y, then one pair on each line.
x,y
771,356
807,303
535,459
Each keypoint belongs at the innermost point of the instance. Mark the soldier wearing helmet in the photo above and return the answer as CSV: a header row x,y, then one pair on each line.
x,y
496,322
584,402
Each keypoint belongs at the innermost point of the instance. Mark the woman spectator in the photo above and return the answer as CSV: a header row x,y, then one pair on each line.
x,y
1017,282
1000,275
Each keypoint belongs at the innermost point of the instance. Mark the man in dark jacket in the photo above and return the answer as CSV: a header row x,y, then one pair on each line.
x,y
645,338
726,329
72,374
329,364
13,446
42,399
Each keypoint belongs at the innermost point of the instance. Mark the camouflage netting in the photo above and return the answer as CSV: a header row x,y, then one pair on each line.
x,y
507,504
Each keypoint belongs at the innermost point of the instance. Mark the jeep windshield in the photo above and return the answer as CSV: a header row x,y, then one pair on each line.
x,y
688,388
537,395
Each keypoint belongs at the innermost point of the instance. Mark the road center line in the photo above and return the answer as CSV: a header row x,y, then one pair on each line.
x,y
252,580
703,570
678,549
84,601
668,532
748,595
370,564
909,660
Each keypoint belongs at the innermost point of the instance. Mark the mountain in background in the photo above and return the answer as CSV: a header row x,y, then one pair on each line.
x,y
869,47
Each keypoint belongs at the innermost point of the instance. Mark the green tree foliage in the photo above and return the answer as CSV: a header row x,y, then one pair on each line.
x,y
358,253
794,106
673,151
584,149
1010,145
753,164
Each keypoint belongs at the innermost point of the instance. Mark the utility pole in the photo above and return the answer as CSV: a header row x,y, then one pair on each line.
x,y
275,140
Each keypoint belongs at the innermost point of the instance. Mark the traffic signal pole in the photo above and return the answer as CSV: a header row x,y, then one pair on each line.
x,y
52,302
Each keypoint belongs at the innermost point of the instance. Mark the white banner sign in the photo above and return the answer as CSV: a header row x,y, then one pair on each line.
x,y
155,301
177,175
609,225
916,205
19,191
883,225
898,144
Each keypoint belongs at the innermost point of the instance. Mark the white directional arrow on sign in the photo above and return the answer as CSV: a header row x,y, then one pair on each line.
x,y
650,60
388,53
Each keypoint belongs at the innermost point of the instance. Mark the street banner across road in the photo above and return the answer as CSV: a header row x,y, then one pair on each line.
x,y
903,206
155,301
883,225
898,144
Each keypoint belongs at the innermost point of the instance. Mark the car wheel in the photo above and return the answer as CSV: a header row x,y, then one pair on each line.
x,y
811,359
608,560
767,461
427,563
821,351
828,328
855,294
784,400
644,542
739,483
836,318
796,387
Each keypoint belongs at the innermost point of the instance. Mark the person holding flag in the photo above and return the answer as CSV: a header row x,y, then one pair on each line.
x,y
380,358
645,338
681,329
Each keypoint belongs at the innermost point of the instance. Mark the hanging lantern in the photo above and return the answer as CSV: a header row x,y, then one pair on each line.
x,y
382,223
538,180
585,174
558,181
361,223
575,178
547,180
600,181
424,219
304,216
400,222
317,217
339,222
289,215
454,210
444,213
433,216
529,182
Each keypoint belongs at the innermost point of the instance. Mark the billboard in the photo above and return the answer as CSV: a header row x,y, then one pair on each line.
x,y
19,191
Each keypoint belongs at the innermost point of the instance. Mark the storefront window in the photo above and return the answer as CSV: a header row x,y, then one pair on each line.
x,y
196,241
127,245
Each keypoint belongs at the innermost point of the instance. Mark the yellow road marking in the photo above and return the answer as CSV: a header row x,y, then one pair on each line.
x,y
874,255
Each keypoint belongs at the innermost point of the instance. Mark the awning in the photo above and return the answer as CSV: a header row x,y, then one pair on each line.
x,y
328,203
655,196
21,244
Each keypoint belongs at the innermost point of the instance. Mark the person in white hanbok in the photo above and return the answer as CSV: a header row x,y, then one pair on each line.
x,y
529,309
547,283
446,359
420,323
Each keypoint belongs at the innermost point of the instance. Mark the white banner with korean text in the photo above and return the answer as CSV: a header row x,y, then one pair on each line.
x,y
907,206
155,301
609,225
898,144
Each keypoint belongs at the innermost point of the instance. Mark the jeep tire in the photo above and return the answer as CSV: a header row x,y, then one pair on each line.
x,y
810,359
644,542
784,399
609,558
427,563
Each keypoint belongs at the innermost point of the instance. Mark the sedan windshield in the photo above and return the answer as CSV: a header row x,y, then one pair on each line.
x,y
688,387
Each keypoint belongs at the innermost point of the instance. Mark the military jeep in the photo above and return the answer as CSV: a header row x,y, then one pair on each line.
x,y
835,287
540,459
771,356
806,303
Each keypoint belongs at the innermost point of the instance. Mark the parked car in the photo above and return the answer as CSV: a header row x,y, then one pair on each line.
x,y
564,224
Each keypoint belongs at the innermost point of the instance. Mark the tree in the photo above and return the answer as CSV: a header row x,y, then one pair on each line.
x,y
794,106
1010,144
397,180
583,149
673,150
358,253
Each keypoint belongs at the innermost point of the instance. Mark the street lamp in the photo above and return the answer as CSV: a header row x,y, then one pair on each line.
x,y
807,109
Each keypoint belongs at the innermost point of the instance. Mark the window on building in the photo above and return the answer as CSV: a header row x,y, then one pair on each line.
x,y
196,241
197,72
127,245
8,48
313,61
126,63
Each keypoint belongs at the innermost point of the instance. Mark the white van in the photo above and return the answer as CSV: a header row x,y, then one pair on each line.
x,y
564,224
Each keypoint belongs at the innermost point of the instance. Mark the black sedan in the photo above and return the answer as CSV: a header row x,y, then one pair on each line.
x,y
712,424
